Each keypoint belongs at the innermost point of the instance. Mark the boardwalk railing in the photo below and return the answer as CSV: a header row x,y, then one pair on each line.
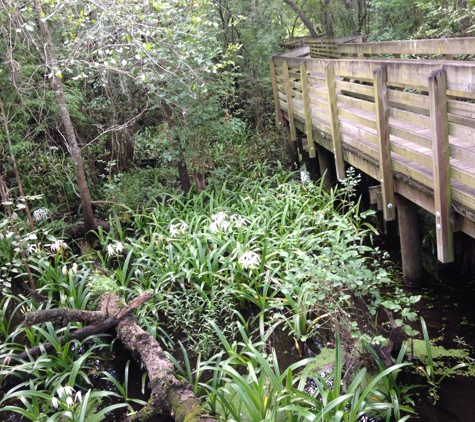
x,y
410,124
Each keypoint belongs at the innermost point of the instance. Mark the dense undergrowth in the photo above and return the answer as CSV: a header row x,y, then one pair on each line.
x,y
258,252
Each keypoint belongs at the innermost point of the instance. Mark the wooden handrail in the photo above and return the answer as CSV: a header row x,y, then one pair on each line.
x,y
354,47
410,123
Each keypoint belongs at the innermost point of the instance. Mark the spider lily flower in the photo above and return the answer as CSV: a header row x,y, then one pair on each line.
x,y
176,229
32,249
58,245
249,260
239,220
41,214
110,250
220,222
119,247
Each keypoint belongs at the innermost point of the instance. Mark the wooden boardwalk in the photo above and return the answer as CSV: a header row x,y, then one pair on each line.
x,y
408,123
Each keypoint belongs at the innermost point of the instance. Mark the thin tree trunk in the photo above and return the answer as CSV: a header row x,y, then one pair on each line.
x,y
328,22
304,18
4,197
15,168
52,64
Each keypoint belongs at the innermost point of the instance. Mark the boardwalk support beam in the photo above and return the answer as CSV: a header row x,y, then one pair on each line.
x,y
410,243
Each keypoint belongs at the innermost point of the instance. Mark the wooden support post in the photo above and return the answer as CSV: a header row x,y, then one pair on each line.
x,y
307,110
290,111
327,166
440,148
275,88
382,124
410,244
333,110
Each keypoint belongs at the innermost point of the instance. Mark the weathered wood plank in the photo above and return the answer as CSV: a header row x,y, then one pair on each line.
x,y
297,52
440,147
382,124
333,109
288,93
275,89
401,73
447,46
308,113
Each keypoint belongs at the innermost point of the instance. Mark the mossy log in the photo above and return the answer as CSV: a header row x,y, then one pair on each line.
x,y
168,394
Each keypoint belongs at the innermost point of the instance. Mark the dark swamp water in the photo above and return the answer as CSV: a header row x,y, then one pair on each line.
x,y
448,307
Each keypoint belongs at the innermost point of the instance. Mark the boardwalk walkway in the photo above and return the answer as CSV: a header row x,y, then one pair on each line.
x,y
402,112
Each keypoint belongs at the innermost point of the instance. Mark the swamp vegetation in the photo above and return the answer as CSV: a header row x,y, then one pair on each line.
x,y
139,160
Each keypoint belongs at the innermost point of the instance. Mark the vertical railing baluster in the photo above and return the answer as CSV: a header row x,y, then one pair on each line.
x,y
307,110
441,167
335,124
382,124
275,88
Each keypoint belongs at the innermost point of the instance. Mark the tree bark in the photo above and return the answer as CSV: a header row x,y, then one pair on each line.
x,y
51,63
303,18
328,22
168,393
83,332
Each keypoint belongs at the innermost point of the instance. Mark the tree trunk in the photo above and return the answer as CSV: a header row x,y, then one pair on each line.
x,y
328,21
52,64
167,392
304,18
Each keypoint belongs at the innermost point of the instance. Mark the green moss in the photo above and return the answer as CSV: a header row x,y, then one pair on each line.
x,y
102,284
444,358
325,358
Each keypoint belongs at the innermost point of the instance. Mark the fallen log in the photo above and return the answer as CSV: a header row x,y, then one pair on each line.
x,y
81,333
167,392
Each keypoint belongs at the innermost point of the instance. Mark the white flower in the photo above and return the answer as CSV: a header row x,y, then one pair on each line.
x,y
32,249
239,220
54,402
8,235
75,268
41,214
69,401
219,222
79,396
119,248
178,228
64,270
225,224
58,245
219,217
249,260
110,250
213,227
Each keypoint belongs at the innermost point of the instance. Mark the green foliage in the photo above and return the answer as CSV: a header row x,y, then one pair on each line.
x,y
430,371
249,385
